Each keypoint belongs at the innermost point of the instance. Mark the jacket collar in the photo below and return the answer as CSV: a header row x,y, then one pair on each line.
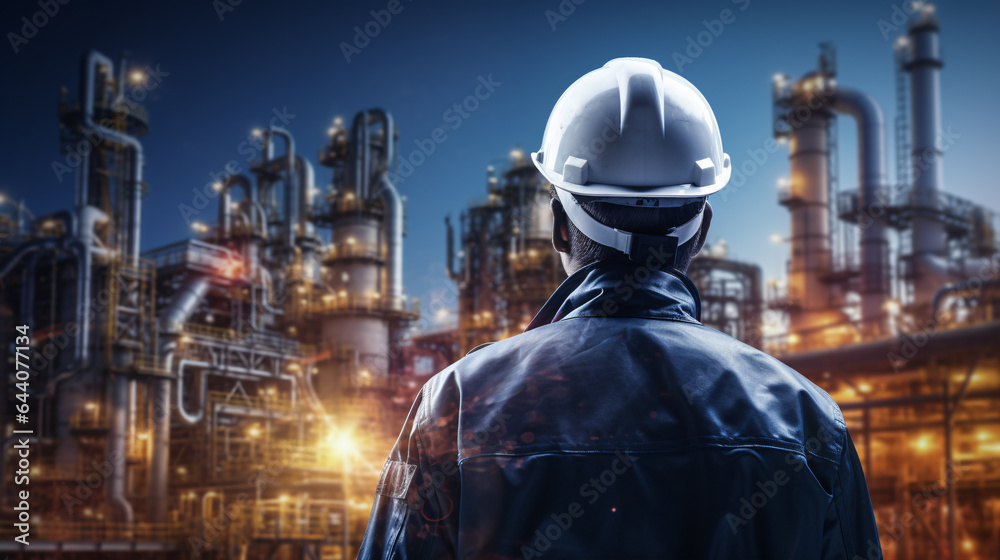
x,y
622,288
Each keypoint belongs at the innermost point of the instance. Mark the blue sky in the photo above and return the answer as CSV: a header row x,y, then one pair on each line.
x,y
222,76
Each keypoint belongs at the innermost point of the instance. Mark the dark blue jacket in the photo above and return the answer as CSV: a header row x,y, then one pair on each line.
x,y
618,426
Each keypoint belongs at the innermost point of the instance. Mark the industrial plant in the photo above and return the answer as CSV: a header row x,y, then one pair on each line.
x,y
234,395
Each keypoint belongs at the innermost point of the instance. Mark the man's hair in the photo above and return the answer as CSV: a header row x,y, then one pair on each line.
x,y
652,221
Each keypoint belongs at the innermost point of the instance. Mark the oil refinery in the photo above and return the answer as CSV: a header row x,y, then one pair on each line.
x,y
234,395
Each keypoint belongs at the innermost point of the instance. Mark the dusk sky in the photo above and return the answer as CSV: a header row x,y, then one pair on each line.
x,y
225,67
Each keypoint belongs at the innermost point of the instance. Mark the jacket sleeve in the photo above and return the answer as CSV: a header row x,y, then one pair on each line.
x,y
415,511
855,527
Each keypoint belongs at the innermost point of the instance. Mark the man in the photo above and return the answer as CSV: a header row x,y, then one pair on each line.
x,y
617,425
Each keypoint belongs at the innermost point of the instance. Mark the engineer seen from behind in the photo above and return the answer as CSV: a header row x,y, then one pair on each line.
x,y
617,425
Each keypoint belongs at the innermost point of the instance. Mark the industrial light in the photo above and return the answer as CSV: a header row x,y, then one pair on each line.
x,y
794,338
217,186
891,306
784,182
283,497
3,198
350,241
864,388
341,442
182,471
137,76
330,131
253,432
91,406
256,133
199,227
777,238
143,435
922,443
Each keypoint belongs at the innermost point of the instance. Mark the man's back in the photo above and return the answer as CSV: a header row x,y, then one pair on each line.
x,y
617,426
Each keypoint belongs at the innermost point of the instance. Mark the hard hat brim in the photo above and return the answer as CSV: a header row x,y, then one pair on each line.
x,y
663,191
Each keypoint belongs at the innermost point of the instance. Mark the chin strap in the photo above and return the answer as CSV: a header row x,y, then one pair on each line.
x,y
638,246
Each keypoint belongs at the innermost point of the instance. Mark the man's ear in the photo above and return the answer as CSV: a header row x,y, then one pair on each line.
x,y
706,222
560,229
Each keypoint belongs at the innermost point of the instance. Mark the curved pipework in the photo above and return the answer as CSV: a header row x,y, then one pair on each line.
x,y
225,200
268,283
389,128
394,206
291,200
199,415
182,306
92,61
90,217
871,185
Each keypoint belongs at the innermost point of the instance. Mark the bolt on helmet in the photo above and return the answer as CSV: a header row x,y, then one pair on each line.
x,y
632,133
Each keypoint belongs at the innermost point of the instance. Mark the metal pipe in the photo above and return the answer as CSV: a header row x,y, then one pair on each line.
x,y
91,62
89,218
182,306
291,200
924,65
116,447
306,183
394,225
225,214
871,185
209,369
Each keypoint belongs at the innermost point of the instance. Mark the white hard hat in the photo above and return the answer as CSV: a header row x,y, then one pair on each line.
x,y
632,133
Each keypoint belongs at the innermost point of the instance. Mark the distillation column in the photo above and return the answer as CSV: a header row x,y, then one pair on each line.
x,y
929,241
810,298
